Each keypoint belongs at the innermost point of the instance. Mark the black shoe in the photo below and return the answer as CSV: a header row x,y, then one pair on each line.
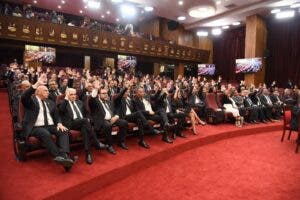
x,y
88,158
167,126
100,145
111,150
166,139
66,162
123,146
142,143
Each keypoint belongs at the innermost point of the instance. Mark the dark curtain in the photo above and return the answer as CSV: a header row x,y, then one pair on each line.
x,y
226,48
283,54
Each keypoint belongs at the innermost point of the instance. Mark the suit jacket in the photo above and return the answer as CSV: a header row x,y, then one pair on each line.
x,y
66,113
248,102
264,100
192,101
120,104
158,100
31,110
98,112
53,95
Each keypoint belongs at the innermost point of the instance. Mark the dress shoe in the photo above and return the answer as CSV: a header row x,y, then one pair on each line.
x,y
142,143
66,162
166,139
123,146
100,145
111,150
88,158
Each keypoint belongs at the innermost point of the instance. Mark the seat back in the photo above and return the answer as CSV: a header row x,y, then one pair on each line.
x,y
287,116
210,101
20,112
219,99
59,98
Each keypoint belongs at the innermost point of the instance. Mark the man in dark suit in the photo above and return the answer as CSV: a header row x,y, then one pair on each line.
x,y
249,105
124,108
53,91
42,120
196,103
270,110
164,107
104,117
143,104
74,116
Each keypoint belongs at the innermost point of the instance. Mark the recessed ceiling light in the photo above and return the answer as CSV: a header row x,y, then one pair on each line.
x,y
102,16
35,2
180,3
85,7
80,11
202,11
181,18
108,12
295,5
93,4
216,31
274,11
285,14
218,2
59,6
63,2
117,1
225,27
202,33
128,10
117,19
148,8
236,23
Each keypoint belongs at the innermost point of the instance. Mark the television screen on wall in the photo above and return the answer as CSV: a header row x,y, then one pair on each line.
x,y
248,65
127,63
39,53
206,69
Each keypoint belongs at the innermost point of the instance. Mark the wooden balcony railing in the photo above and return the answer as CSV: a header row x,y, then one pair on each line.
x,y
50,33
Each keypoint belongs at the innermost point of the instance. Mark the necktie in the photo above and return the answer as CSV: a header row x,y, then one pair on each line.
x,y
76,110
168,104
45,113
128,104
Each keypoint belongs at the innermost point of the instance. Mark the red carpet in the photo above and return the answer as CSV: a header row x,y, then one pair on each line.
x,y
40,178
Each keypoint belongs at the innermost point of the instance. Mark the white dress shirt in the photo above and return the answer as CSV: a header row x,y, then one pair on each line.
x,y
147,105
40,119
74,113
107,113
128,112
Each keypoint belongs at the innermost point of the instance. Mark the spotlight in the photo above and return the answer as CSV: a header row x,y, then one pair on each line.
x,y
202,33
128,10
285,14
216,31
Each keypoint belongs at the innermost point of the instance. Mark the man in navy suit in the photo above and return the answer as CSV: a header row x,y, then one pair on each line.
x,y
41,120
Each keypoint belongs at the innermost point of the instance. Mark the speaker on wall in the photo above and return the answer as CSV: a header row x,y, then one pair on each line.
x,y
172,25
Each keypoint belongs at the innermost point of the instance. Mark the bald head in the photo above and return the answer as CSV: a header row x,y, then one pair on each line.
x,y
42,92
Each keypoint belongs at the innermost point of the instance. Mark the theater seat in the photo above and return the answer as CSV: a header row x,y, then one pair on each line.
x,y
214,114
287,116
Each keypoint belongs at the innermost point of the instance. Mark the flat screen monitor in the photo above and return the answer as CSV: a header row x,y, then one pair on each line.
x,y
206,69
248,65
126,63
39,53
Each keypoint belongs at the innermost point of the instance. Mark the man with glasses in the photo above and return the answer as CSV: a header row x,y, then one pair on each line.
x,y
104,117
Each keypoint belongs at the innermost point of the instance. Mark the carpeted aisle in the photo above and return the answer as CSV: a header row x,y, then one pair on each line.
x,y
251,167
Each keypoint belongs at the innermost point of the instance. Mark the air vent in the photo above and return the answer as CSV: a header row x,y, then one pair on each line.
x,y
230,6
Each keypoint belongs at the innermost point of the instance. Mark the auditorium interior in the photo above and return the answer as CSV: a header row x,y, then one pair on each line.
x,y
150,99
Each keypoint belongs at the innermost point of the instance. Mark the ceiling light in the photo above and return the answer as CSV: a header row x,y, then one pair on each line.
x,y
80,11
117,1
202,11
63,2
128,10
35,2
93,4
148,8
216,31
236,23
108,12
180,3
102,16
181,18
202,33
117,19
274,11
59,6
285,14
218,2
85,7
296,5
85,1
225,27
